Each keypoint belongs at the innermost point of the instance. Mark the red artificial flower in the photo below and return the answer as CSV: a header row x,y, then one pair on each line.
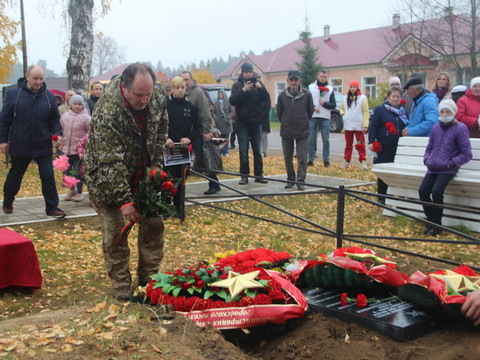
x,y
173,192
167,185
362,300
377,147
163,175
403,102
465,270
391,128
54,138
343,299
190,147
262,299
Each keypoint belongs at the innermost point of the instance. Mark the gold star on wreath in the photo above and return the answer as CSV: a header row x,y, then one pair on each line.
x,y
459,283
236,282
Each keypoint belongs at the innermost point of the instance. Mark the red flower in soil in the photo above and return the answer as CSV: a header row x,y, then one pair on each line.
x,y
403,102
173,192
362,300
343,299
54,138
163,175
167,185
377,147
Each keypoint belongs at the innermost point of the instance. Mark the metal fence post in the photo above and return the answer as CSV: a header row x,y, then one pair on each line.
x,y
340,215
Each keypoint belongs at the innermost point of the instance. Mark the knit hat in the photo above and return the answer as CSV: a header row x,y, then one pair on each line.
x,y
459,89
475,80
448,104
394,80
247,67
76,99
355,83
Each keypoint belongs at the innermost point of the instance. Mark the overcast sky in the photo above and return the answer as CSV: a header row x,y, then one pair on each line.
x,y
179,32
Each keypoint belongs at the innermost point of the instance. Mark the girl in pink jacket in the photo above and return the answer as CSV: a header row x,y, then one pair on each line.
x,y
75,125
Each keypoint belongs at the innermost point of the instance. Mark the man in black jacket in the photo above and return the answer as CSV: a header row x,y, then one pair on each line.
x,y
28,122
248,94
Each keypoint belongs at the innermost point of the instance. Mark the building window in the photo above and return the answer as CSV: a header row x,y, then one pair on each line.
x,y
279,87
370,86
337,84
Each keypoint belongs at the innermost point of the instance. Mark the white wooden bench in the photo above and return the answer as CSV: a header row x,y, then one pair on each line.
x,y
406,173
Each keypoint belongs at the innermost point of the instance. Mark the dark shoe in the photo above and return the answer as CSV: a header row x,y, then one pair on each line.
x,y
326,163
243,181
300,187
58,213
211,191
434,232
7,206
427,229
261,180
288,186
381,201
124,296
309,163
232,146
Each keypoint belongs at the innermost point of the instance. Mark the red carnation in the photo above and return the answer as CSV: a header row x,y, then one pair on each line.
x,y
391,128
173,192
262,299
323,89
362,300
54,138
152,174
190,147
343,299
403,102
163,175
167,185
377,147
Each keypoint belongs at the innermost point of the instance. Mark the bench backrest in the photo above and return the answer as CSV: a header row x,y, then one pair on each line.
x,y
411,149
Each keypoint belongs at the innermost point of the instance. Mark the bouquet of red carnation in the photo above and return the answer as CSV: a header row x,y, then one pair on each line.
x,y
390,126
403,102
260,257
377,147
323,89
153,198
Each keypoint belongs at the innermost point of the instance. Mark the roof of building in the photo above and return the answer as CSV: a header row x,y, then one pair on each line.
x,y
108,75
363,47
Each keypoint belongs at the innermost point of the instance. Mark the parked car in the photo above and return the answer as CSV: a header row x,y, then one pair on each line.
x,y
336,121
211,90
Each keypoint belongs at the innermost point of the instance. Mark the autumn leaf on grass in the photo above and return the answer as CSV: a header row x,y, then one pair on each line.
x,y
156,349
97,308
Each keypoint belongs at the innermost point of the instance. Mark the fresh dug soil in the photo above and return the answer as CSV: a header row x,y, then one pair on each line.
x,y
170,336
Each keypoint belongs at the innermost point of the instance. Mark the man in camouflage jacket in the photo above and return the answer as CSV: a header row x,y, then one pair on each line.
x,y
127,134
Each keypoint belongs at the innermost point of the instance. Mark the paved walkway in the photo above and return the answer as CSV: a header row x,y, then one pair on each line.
x,y
32,209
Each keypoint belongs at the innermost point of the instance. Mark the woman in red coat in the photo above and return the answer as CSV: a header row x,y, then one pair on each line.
x,y
469,108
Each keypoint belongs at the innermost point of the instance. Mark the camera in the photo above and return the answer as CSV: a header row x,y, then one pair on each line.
x,y
253,80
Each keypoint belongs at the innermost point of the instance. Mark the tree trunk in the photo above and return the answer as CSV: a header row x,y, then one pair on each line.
x,y
79,61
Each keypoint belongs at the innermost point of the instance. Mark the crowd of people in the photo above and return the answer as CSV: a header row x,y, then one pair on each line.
x,y
125,130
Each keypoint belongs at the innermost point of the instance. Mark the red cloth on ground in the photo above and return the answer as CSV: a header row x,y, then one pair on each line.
x,y
18,261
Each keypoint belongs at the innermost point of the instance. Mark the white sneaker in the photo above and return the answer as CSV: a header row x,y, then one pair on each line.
x,y
363,166
344,165
78,198
70,195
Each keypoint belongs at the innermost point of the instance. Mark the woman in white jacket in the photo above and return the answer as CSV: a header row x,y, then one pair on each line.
x,y
354,110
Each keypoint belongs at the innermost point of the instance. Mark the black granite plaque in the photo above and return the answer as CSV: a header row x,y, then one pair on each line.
x,y
398,319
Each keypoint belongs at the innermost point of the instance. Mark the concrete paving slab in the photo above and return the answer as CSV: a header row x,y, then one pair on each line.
x,y
32,209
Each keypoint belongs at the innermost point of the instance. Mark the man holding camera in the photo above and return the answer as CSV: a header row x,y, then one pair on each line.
x,y
249,96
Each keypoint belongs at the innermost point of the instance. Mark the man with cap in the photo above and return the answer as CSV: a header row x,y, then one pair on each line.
x,y
457,92
168,90
250,97
294,110
469,108
324,102
424,113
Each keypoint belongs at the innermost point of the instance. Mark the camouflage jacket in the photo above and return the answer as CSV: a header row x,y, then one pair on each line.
x,y
114,145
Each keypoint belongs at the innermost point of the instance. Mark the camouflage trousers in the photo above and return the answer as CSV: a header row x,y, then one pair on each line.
x,y
117,259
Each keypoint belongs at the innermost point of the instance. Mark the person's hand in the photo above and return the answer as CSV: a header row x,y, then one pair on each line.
x,y
258,85
405,132
169,143
370,147
184,141
248,85
471,307
207,137
316,109
4,148
130,213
